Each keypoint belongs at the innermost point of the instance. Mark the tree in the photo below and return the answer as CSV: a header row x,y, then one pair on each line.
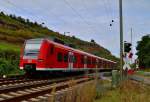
x,y
14,17
22,20
35,23
11,16
27,21
2,13
143,51
92,41
73,37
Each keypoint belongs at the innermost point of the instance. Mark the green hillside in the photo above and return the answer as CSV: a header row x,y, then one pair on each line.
x,y
15,30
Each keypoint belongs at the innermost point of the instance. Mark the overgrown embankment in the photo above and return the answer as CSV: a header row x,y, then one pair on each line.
x,y
9,59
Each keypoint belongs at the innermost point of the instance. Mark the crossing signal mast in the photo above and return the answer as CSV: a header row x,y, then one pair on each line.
x,y
127,47
127,55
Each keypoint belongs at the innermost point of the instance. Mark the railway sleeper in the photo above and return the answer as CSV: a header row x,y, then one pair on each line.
x,y
30,93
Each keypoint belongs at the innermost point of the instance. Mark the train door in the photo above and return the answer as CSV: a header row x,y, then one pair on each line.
x,y
85,61
70,60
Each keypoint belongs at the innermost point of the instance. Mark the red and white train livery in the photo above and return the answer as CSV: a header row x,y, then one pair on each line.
x,y
47,55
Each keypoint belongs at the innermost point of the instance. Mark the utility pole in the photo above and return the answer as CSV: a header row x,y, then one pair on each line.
x,y
131,39
131,45
121,38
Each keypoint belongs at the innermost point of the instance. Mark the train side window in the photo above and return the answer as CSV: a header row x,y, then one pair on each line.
x,y
104,64
82,59
93,61
59,57
74,59
89,61
100,63
52,49
65,57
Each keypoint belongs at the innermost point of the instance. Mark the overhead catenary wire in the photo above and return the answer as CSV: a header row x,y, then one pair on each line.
x,y
84,5
83,19
55,15
108,9
75,11
22,10
112,11
80,16
50,11
109,4
109,16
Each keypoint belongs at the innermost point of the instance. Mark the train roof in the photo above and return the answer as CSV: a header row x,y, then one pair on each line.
x,y
69,48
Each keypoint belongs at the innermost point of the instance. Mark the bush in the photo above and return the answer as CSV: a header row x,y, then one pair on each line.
x,y
5,67
9,67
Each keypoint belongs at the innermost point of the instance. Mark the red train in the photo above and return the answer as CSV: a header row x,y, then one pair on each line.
x,y
46,55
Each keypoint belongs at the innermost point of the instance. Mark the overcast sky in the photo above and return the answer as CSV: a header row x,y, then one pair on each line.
x,y
86,19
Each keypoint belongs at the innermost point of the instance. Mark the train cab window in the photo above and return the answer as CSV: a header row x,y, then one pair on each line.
x,y
65,57
59,57
32,48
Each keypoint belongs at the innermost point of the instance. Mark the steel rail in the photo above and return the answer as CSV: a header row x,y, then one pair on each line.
x,y
42,91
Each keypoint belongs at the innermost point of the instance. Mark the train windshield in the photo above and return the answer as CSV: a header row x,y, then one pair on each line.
x,y
32,49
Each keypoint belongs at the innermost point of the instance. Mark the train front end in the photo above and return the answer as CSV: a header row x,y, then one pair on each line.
x,y
33,55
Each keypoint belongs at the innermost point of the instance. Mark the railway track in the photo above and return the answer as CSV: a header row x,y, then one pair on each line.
x,y
7,82
12,85
25,90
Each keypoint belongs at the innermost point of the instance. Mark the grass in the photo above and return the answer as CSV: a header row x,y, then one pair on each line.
x,y
143,73
128,91
147,70
8,46
83,92
16,72
9,58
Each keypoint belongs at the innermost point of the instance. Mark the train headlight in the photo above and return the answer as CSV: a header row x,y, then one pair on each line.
x,y
40,60
29,61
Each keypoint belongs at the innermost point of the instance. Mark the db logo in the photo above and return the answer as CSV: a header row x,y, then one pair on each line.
x,y
29,61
